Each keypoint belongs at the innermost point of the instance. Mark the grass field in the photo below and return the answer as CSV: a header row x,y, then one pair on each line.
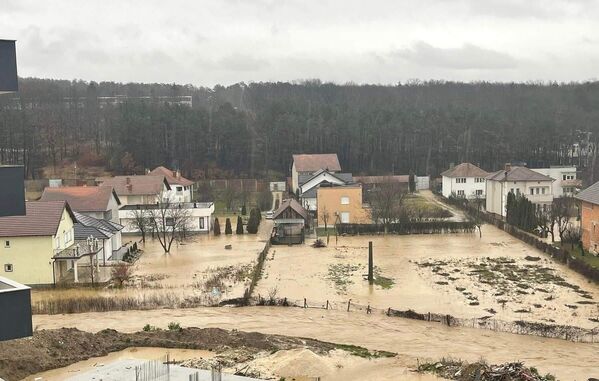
x,y
587,257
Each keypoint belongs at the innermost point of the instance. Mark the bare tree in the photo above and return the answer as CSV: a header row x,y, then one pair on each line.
x,y
545,222
560,215
169,220
141,221
476,217
385,203
325,216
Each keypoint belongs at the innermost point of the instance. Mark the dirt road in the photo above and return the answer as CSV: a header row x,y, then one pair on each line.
x,y
413,340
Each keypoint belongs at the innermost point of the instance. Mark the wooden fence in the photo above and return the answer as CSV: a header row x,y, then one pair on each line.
x,y
423,227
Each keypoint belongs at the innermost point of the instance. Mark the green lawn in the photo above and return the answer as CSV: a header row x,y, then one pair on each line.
x,y
321,232
423,207
587,257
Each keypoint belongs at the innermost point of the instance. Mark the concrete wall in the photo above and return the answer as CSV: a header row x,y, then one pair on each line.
x,y
15,304
329,200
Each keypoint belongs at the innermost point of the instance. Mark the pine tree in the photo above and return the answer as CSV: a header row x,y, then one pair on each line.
x,y
243,210
239,228
253,222
228,229
216,227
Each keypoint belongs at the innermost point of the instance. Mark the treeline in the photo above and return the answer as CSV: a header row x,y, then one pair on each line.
x,y
253,129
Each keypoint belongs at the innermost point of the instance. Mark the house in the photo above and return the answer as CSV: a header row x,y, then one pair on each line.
x,y
181,188
15,304
589,217
198,214
465,180
108,233
138,189
99,202
35,247
290,220
566,183
310,183
341,204
307,164
520,181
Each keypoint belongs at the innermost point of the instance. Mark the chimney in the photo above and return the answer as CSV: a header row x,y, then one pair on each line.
x,y
178,174
508,167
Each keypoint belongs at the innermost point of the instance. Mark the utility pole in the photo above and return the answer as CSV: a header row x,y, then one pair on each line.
x,y
370,264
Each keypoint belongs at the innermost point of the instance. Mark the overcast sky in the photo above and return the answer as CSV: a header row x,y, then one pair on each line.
x,y
227,41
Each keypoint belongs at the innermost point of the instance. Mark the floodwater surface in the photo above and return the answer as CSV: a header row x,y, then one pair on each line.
x,y
412,340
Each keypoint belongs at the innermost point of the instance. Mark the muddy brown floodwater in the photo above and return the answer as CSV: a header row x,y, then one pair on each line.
x,y
180,275
337,273
412,340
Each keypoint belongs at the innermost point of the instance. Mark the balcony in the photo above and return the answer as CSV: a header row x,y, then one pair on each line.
x,y
77,251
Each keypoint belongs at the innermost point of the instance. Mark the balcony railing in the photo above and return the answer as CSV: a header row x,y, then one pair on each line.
x,y
77,251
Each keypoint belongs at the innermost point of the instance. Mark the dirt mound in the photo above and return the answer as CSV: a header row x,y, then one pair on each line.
x,y
481,371
50,349
297,362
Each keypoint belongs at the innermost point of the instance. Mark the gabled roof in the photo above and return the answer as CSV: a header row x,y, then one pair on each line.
x,y
518,174
171,176
41,219
82,232
89,221
344,178
590,194
465,170
314,162
136,185
82,199
293,204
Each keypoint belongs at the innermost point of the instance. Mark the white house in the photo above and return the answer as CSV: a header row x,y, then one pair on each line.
x,y
307,164
309,185
107,233
200,216
181,188
464,180
566,183
536,187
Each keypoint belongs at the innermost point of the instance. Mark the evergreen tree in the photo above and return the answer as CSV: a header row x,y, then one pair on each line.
x,y
228,229
216,227
253,222
239,228
243,210
412,182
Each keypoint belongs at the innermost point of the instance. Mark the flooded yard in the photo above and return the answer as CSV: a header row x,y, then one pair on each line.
x,y
200,271
459,274
413,340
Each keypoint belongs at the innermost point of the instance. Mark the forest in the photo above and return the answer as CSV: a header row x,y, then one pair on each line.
x,y
251,130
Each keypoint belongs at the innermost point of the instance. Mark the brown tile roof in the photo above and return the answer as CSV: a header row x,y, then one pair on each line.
x,y
382,179
465,170
518,174
171,176
293,204
82,199
41,219
135,185
314,162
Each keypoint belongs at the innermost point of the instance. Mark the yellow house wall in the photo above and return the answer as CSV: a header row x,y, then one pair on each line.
x,y
329,200
31,257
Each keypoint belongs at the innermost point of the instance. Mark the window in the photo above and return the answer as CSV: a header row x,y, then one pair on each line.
x,y
479,192
543,190
170,221
479,180
6,243
344,200
345,217
57,242
460,180
201,222
179,189
460,193
8,268
532,191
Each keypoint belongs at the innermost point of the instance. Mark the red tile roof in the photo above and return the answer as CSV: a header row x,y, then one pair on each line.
x,y
314,162
171,176
82,199
41,219
465,170
382,179
135,185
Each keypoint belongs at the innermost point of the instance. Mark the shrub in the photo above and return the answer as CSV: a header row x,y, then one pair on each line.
x,y
216,227
239,228
149,328
243,210
254,221
228,229
121,273
174,326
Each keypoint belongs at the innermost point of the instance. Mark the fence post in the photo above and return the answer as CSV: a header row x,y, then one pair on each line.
x,y
368,310
370,264
389,311
305,303
327,304
348,303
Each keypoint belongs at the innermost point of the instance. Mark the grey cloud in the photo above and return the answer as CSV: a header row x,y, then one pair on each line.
x,y
242,62
468,56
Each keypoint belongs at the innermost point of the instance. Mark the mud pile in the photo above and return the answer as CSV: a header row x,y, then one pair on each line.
x,y
481,371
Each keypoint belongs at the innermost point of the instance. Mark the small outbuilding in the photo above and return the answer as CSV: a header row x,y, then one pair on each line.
x,y
291,220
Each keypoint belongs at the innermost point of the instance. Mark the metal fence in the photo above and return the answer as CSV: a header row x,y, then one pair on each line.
x,y
520,327
153,370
